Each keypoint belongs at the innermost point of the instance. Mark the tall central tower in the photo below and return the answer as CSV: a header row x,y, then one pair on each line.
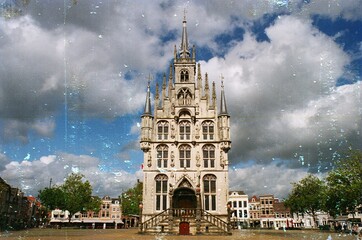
x,y
185,141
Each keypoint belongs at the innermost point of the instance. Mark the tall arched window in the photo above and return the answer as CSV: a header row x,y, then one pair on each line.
x,y
209,182
208,130
162,156
185,130
161,192
184,75
184,96
208,155
162,130
185,156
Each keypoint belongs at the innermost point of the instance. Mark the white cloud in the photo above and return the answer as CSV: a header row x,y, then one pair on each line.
x,y
261,179
35,175
282,96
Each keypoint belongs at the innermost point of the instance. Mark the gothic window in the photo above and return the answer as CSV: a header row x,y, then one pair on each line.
x,y
209,182
184,97
162,130
161,192
208,154
162,156
185,130
184,76
185,156
208,130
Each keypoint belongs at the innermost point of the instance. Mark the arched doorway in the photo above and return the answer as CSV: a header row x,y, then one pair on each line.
x,y
184,197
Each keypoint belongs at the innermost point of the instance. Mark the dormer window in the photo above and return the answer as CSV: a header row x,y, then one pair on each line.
x,y
184,76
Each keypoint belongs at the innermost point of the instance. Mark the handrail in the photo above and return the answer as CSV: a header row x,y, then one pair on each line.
x,y
182,213
153,221
218,222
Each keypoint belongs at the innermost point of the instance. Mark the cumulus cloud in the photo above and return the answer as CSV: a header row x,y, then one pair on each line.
x,y
282,95
91,59
31,176
266,179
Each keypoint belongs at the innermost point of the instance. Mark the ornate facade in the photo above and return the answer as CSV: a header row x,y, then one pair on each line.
x,y
185,140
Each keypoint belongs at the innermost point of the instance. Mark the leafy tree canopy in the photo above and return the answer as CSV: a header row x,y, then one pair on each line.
x,y
74,195
307,196
131,199
344,192
52,198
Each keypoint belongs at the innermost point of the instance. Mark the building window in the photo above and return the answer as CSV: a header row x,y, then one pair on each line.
x,y
185,156
184,97
209,182
208,130
185,130
162,156
208,153
162,130
245,214
245,204
161,192
184,76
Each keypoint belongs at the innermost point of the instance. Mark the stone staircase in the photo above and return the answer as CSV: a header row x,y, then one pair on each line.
x,y
199,222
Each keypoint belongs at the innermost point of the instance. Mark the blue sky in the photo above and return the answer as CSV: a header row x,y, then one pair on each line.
x,y
73,80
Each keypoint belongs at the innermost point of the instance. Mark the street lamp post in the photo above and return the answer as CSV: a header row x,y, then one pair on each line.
x,y
140,206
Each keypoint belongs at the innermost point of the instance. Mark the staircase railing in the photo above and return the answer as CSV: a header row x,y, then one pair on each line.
x,y
155,220
182,213
218,222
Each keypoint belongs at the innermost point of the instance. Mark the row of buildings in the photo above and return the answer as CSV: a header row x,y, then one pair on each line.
x,y
266,211
108,216
18,211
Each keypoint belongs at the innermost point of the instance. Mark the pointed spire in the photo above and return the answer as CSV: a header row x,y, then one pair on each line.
x,y
193,52
170,82
157,95
213,95
223,109
147,110
162,103
164,81
175,52
199,78
184,51
206,84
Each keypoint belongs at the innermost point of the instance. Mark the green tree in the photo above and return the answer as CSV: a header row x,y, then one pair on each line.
x,y
78,193
74,195
344,183
131,199
52,198
94,204
307,196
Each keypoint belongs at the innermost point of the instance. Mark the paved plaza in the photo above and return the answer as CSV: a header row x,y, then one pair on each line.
x,y
127,234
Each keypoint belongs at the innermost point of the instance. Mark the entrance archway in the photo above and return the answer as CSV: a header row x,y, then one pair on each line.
x,y
184,198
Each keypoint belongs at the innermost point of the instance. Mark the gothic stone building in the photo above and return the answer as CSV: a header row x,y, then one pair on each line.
x,y
185,141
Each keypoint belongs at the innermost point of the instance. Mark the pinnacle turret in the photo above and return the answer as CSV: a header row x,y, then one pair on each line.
x,y
223,109
184,50
147,110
